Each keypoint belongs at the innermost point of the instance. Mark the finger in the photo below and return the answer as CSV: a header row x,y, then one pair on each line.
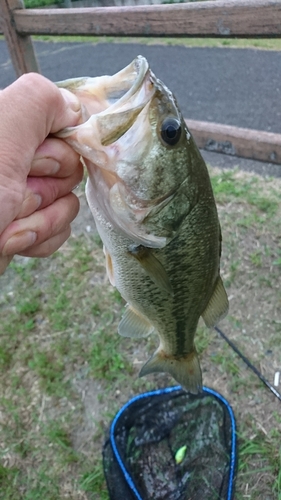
x,y
55,158
48,247
40,226
31,108
43,191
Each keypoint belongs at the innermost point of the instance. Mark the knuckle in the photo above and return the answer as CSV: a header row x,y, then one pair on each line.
x,y
41,86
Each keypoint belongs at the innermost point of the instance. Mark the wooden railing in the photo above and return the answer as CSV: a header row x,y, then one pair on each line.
x,y
217,18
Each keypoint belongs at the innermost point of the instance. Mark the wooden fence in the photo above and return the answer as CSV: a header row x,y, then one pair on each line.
x,y
217,18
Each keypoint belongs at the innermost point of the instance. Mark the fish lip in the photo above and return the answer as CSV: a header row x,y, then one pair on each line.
x,y
140,67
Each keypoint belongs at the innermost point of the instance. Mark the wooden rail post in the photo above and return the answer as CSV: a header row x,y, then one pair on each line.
x,y
20,46
236,141
219,18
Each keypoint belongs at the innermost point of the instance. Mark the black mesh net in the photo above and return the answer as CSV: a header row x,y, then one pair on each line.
x,y
170,445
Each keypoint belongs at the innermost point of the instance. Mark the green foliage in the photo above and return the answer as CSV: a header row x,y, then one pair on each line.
x,y
93,481
262,448
28,306
277,262
203,339
50,370
43,486
259,43
256,258
227,186
33,4
8,482
5,356
106,360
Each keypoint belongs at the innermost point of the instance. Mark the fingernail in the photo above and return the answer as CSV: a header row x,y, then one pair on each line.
x,y
31,203
37,201
19,242
71,100
47,165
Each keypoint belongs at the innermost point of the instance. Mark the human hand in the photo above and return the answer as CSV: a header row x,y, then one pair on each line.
x,y
37,172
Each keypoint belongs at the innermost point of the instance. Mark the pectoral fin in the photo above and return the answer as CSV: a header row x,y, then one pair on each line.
x,y
185,370
217,307
152,266
133,324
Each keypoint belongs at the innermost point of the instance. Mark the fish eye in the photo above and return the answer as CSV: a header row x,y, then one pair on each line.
x,y
171,131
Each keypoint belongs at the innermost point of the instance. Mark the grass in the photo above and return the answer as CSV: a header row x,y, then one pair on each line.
x,y
252,43
64,371
261,451
238,43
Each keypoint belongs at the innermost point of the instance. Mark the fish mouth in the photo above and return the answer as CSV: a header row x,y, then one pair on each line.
x,y
110,94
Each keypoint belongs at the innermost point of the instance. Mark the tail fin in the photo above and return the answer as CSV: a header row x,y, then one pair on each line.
x,y
185,370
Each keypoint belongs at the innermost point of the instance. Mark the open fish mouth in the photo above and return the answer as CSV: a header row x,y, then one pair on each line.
x,y
129,88
137,72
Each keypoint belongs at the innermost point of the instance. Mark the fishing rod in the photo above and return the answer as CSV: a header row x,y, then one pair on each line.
x,y
249,364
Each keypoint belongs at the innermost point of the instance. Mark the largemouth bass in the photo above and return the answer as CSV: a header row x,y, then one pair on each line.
x,y
152,200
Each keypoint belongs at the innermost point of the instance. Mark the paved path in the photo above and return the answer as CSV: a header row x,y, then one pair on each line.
x,y
239,87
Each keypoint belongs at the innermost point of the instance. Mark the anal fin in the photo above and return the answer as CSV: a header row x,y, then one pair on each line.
x,y
185,370
133,324
217,307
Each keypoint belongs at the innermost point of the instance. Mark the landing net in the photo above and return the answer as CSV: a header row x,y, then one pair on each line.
x,y
171,445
